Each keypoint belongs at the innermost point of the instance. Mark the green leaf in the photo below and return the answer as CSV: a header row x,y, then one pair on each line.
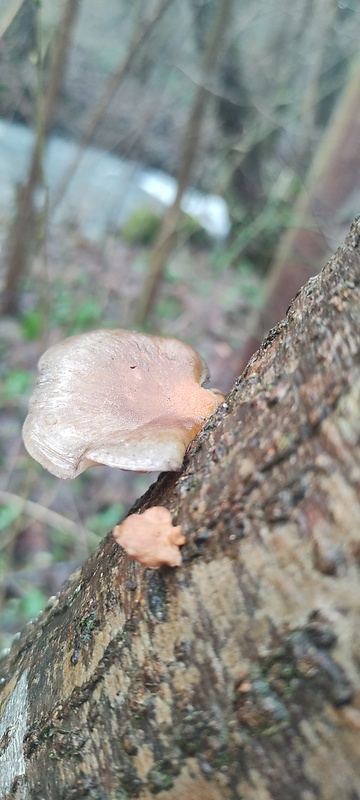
x,y
8,514
32,325
104,521
16,384
32,603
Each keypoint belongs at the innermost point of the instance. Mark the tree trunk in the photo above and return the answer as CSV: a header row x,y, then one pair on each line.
x,y
188,149
238,674
113,83
24,229
332,180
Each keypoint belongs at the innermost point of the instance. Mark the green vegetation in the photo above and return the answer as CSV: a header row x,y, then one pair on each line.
x,y
141,228
103,521
191,232
16,385
73,312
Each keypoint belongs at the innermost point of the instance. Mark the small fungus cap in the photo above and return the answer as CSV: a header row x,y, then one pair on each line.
x,y
151,538
117,397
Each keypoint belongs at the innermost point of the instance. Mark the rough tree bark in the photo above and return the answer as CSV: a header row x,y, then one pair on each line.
x,y
238,674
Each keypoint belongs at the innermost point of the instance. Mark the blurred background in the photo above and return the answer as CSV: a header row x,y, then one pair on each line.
x,y
175,166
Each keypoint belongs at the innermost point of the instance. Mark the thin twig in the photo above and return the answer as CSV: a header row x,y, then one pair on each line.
x,y
45,515
25,225
188,149
111,86
9,15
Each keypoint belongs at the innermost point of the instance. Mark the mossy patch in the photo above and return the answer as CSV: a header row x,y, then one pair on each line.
x,y
142,227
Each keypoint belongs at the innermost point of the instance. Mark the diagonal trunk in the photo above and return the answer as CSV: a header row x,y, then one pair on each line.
x,y
332,180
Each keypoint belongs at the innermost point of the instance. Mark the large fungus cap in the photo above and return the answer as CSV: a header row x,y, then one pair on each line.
x,y
120,398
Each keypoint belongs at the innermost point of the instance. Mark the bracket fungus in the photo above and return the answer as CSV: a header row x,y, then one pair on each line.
x,y
151,538
117,397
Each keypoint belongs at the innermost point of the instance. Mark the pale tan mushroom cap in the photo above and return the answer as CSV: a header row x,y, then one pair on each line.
x,y
116,397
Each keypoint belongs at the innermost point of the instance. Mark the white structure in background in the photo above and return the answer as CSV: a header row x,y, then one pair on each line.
x,y
210,210
103,191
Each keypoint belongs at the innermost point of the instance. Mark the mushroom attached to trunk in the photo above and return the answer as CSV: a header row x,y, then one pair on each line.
x,y
116,397
151,538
